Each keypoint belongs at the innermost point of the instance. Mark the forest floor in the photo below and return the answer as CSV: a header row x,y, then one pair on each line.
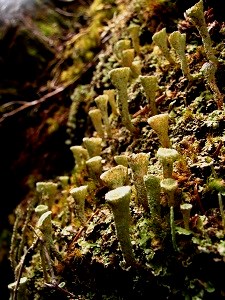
x,y
173,260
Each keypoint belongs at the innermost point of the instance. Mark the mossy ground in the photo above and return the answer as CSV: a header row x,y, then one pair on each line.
x,y
92,266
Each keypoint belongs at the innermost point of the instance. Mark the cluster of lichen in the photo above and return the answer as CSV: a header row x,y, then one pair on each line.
x,y
130,182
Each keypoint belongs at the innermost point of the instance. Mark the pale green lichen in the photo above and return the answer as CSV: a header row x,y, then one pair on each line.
x,y
102,104
150,85
119,200
196,14
115,177
169,186
47,191
96,118
160,124
139,165
161,40
94,166
134,31
152,184
120,78
79,195
167,156
22,292
178,42
209,71
186,211
93,146
127,58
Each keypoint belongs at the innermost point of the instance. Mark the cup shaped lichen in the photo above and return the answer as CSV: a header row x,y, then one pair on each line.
x,y
48,191
79,195
134,31
167,157
112,101
139,165
150,85
127,57
186,211
209,71
169,186
96,118
119,200
115,177
152,184
161,40
22,292
102,104
44,224
121,159
160,124
196,14
120,46
94,166
178,42
80,155
93,146
120,78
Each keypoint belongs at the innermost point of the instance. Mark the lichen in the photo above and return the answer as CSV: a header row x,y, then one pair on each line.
x,y
91,251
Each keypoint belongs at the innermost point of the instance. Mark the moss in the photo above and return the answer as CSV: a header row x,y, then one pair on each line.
x,y
91,252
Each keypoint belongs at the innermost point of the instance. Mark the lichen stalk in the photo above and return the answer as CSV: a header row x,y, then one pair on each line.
x,y
161,40
44,224
119,200
102,104
115,177
186,211
160,124
96,118
80,156
178,42
169,186
127,57
167,157
93,146
152,184
196,14
172,229
94,166
22,290
139,165
120,78
48,191
150,85
134,31
120,46
112,101
209,70
79,195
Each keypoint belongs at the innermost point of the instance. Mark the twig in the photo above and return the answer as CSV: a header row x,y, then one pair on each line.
x,y
144,110
21,265
47,256
83,228
217,151
33,103
57,287
12,103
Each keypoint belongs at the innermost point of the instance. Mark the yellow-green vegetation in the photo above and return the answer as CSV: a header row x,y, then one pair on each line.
x,y
82,49
149,220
